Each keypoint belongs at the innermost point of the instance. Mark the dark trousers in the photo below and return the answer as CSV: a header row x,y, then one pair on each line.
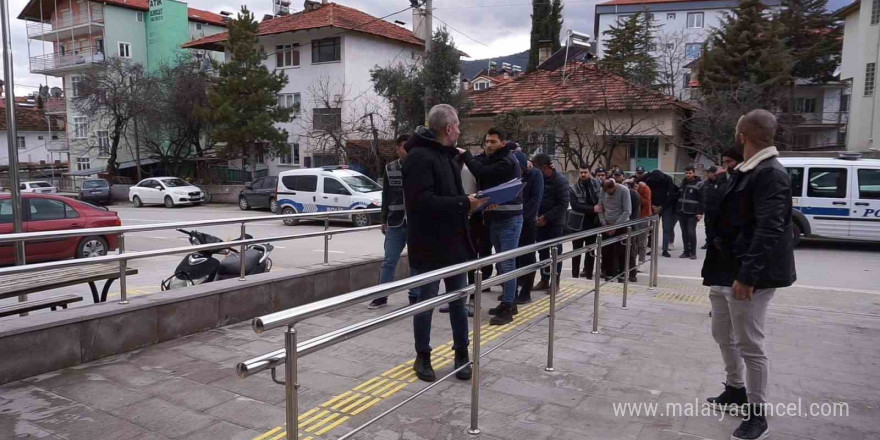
x,y
458,317
482,244
589,259
709,224
614,257
669,218
527,236
688,224
546,233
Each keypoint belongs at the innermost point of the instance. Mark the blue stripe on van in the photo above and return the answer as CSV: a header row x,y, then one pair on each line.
x,y
811,210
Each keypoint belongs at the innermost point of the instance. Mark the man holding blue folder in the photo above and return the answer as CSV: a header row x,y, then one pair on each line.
x,y
504,220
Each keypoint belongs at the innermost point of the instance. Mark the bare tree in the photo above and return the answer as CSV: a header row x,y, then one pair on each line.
x,y
671,61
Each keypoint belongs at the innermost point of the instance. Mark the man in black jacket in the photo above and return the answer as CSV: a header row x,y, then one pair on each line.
x,y
751,255
551,213
533,193
504,221
664,194
584,196
690,211
437,211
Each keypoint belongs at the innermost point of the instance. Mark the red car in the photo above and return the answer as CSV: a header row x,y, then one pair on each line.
x,y
45,212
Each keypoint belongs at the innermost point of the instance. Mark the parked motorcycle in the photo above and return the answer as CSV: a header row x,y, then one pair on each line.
x,y
203,267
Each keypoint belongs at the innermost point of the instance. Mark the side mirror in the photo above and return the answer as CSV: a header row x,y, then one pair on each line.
x,y
249,185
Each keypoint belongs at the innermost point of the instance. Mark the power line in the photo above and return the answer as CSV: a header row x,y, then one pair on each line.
x,y
460,32
506,5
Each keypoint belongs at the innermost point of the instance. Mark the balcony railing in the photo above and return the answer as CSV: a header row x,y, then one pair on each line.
x,y
40,28
60,145
54,62
819,118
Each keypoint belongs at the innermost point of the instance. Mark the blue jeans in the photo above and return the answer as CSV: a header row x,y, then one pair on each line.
x,y
504,234
458,317
395,241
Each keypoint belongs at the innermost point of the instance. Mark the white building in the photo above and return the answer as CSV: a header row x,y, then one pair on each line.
x,y
327,51
861,56
36,131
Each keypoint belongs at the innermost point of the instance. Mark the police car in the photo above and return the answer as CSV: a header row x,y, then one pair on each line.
x,y
835,197
331,188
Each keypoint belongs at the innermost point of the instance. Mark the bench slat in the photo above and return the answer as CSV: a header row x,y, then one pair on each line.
x,y
37,304
21,284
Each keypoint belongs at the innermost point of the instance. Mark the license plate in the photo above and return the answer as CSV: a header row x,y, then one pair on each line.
x,y
96,192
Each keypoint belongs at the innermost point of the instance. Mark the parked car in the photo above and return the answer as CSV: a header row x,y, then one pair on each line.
x,y
835,197
259,194
38,186
332,188
44,212
168,191
95,191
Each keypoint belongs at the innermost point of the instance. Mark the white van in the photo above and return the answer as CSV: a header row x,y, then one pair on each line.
x,y
331,188
835,197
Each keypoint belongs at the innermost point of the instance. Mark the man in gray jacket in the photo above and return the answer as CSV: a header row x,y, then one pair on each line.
x,y
615,208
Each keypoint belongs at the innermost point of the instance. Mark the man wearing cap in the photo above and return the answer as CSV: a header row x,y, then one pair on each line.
x,y
640,174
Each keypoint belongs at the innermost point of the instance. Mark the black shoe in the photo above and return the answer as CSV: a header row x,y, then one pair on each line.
x,y
378,303
633,279
501,297
694,256
461,358
753,427
731,399
444,309
666,254
684,255
705,246
412,300
503,314
494,310
523,299
488,289
587,275
542,285
423,368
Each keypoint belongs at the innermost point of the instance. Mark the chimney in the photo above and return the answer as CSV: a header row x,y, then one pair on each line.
x,y
418,23
545,49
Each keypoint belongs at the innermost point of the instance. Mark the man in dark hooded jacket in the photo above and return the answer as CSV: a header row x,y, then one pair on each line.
x,y
664,195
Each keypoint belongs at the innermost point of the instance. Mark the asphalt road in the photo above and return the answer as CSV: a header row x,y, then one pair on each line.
x,y
823,265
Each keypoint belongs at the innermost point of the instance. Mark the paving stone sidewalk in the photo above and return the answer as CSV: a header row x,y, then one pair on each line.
x,y
823,348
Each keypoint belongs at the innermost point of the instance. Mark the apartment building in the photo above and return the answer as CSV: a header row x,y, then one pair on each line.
x,y
67,37
326,51
861,60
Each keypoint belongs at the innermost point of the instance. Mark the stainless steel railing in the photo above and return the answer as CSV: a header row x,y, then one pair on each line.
x,y
288,357
124,257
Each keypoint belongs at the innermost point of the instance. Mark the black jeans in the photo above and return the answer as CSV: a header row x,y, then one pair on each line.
x,y
480,234
709,224
589,259
527,236
688,224
546,233
614,256
669,219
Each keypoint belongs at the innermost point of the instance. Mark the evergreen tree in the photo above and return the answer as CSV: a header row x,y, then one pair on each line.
x,y
546,26
242,101
628,50
746,51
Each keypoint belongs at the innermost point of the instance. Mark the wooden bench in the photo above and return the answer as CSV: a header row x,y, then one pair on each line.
x,y
32,282
37,304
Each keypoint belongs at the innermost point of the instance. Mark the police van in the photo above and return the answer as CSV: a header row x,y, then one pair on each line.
x,y
835,197
331,188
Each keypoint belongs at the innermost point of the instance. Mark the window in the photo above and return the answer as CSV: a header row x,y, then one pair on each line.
x,y
870,78
301,183
695,20
645,148
6,211
670,16
103,143
803,140
198,26
82,163
362,184
290,100
869,184
623,18
686,80
148,184
541,142
124,50
75,82
797,181
651,16
841,139
290,156
844,103
49,209
482,85
652,47
327,118
670,46
80,127
286,55
20,143
805,105
829,183
693,51
99,45
875,12
327,50
333,186
140,16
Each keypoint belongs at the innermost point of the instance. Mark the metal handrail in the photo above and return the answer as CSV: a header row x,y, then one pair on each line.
x,y
288,356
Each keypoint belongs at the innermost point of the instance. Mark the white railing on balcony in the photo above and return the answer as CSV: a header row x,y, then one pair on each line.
x,y
39,28
831,118
57,61
60,145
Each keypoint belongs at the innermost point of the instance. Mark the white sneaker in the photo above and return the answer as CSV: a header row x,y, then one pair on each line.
x,y
671,247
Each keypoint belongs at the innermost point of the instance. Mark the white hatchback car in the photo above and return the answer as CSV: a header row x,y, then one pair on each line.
x,y
168,191
39,187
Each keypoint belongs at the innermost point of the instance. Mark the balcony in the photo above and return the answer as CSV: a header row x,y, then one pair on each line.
x,y
56,63
821,118
60,145
66,26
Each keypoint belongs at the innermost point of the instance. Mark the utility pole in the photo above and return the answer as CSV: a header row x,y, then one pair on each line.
x,y
428,31
11,135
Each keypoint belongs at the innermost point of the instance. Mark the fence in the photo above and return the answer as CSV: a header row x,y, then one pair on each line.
x,y
292,351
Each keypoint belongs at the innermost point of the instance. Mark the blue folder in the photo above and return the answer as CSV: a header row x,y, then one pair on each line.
x,y
502,193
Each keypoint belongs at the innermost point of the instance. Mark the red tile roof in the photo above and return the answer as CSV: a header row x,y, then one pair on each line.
x,y
586,89
643,2
28,119
32,11
329,15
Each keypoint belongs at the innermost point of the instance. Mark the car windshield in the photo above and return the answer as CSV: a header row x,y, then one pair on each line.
x,y
41,185
362,184
172,183
94,184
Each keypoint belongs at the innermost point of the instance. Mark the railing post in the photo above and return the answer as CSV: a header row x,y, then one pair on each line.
x,y
123,288
326,240
475,355
629,231
290,384
241,254
554,286
655,251
598,278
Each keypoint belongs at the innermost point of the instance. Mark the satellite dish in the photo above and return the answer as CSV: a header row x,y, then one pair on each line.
x,y
55,92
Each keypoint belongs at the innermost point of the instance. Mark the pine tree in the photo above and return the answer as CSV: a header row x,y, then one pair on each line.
x,y
546,26
242,101
628,50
